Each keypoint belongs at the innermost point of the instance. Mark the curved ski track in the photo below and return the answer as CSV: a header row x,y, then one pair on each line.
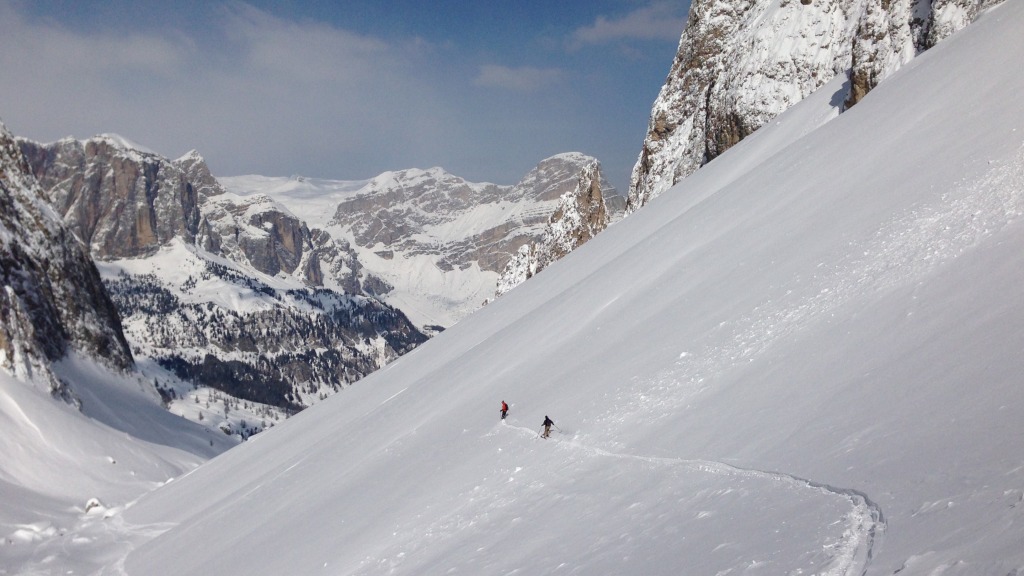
x,y
865,521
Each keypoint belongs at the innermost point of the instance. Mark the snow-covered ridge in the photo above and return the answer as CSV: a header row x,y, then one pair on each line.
x,y
212,321
190,156
125,144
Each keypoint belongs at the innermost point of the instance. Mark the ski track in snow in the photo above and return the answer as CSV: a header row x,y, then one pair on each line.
x,y
864,523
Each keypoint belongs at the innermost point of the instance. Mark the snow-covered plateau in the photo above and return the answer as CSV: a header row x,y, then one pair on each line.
x,y
806,359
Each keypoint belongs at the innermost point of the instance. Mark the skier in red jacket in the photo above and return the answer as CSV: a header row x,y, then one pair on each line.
x,y
504,409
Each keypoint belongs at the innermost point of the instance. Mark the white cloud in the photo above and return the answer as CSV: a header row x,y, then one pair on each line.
x,y
659,21
251,92
256,92
304,51
521,79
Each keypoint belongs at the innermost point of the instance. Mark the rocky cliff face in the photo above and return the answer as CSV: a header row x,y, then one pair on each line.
x,y
742,62
890,33
121,201
263,234
428,241
125,202
248,318
465,227
282,302
51,297
581,214
482,223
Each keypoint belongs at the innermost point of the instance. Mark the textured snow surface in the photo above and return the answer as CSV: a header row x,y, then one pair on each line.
x,y
67,475
806,361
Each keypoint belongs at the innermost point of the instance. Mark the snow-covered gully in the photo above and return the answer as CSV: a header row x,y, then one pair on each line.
x,y
865,521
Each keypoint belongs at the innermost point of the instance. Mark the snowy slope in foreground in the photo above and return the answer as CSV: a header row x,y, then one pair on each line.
x,y
799,363
67,474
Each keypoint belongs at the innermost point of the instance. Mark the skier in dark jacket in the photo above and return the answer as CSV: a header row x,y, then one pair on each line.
x,y
548,423
504,409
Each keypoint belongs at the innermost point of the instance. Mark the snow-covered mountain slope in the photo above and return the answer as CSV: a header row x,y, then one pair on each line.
x,y
742,62
83,432
216,289
438,241
216,323
52,299
67,474
582,212
805,360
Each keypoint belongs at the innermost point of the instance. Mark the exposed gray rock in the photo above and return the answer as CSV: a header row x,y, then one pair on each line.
x,y
125,202
396,208
51,295
892,32
581,214
132,204
742,62
122,202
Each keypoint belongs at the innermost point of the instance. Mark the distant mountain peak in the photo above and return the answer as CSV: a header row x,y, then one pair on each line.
x,y
122,143
192,155
582,212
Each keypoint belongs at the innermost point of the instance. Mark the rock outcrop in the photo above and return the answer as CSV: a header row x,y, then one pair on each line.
x,y
52,299
125,202
121,201
581,214
889,34
485,223
742,62
254,319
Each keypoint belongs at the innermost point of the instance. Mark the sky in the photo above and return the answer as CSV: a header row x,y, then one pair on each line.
x,y
343,90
